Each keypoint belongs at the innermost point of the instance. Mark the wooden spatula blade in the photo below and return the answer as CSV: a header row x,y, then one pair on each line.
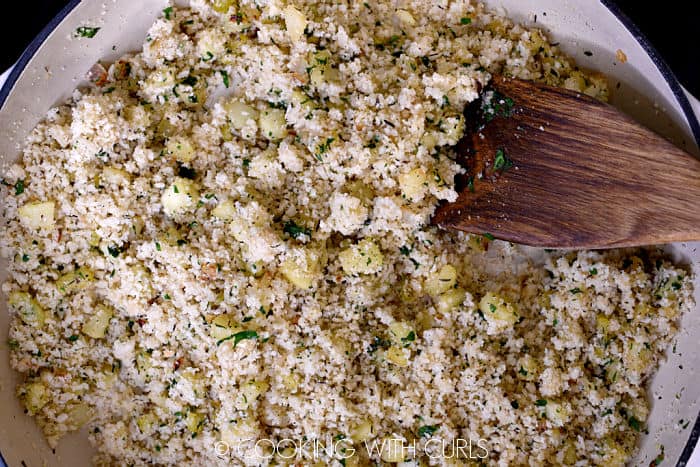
x,y
558,169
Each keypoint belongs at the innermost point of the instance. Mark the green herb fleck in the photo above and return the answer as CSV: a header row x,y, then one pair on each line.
x,y
465,20
114,251
409,338
515,404
73,338
225,77
593,271
522,371
25,258
295,231
239,336
541,402
19,187
427,430
167,12
489,236
635,424
158,248
576,290
502,162
84,31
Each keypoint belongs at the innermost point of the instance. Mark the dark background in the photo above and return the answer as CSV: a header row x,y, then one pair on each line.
x,y
670,26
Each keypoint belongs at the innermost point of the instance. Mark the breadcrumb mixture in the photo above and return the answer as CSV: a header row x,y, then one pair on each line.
x,y
226,239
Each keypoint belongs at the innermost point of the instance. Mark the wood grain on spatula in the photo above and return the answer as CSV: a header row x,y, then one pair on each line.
x,y
558,169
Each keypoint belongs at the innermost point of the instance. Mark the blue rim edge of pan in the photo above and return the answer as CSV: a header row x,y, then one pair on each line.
x,y
660,63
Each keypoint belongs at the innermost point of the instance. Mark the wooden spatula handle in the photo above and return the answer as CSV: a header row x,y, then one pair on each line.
x,y
583,176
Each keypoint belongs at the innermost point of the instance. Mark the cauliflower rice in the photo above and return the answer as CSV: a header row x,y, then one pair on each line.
x,y
226,240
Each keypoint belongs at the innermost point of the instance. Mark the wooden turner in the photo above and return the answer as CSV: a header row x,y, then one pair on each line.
x,y
553,168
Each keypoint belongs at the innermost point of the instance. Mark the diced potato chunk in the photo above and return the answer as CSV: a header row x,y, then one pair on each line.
x,y
405,18
194,421
252,390
500,314
146,422
301,270
321,70
36,396
273,124
414,184
295,22
222,6
441,281
363,432
115,176
362,258
398,355
237,431
527,368
180,196
223,326
181,148
450,300
392,450
28,309
79,415
557,413
38,216
239,114
400,331
225,210
75,280
291,382
97,324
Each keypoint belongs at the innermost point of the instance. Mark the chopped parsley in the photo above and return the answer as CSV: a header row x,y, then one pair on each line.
x,y
541,402
25,258
73,338
404,250
465,20
498,106
502,162
19,187
239,336
635,424
167,12
593,271
409,338
114,251
427,431
576,290
522,371
225,77
489,236
84,31
323,148
295,231
158,248
515,404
